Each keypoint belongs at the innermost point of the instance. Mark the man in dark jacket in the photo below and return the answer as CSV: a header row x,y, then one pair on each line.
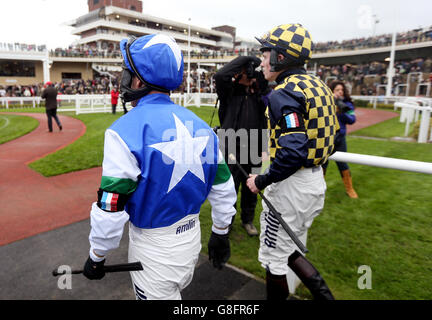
x,y
50,94
242,117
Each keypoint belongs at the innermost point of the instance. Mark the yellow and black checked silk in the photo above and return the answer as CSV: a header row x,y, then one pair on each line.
x,y
293,38
320,120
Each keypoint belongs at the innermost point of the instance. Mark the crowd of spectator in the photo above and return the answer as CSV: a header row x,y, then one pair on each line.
x,y
112,51
384,40
412,36
17,46
213,54
104,84
86,52
356,75
206,84
361,79
100,85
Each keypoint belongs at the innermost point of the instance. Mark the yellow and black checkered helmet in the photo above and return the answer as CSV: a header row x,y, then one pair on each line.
x,y
291,40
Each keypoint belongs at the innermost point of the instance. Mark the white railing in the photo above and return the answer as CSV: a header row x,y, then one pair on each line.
x,y
101,103
194,99
206,99
329,78
427,85
386,99
6,101
383,162
94,103
411,109
398,90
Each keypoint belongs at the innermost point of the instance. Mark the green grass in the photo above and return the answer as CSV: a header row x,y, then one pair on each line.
x,y
13,126
207,114
85,153
387,228
386,129
24,109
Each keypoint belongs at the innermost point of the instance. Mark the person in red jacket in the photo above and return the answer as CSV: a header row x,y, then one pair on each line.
x,y
114,98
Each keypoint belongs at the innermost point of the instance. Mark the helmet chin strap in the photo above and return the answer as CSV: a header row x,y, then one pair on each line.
x,y
279,65
128,94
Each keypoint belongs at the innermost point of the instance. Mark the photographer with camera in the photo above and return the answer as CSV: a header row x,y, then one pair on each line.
x,y
345,114
240,89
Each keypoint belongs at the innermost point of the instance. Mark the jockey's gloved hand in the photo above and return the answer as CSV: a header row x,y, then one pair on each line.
x,y
219,249
94,270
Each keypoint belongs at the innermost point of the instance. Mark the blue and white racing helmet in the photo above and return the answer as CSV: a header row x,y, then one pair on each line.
x,y
155,59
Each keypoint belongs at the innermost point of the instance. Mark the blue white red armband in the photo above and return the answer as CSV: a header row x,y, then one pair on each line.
x,y
110,201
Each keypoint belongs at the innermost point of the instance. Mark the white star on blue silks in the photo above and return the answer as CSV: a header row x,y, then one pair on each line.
x,y
185,151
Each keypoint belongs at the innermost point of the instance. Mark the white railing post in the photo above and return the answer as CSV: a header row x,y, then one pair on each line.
x,y
197,99
430,137
77,105
424,125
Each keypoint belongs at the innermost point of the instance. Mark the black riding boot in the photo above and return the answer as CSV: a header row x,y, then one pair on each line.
x,y
276,286
310,277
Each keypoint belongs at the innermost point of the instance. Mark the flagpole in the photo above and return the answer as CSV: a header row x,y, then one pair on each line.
x,y
189,48
390,70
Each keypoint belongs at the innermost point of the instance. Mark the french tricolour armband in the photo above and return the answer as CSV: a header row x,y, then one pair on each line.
x,y
291,122
110,201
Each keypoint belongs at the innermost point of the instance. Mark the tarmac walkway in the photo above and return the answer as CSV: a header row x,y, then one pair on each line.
x,y
368,117
44,224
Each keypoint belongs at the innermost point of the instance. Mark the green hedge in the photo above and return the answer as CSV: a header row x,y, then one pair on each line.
x,y
367,104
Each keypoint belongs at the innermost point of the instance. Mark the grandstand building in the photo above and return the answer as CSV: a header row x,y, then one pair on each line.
x,y
362,63
96,52
110,21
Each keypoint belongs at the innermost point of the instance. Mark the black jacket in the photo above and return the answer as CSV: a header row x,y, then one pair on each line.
x,y
241,107
238,107
50,94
